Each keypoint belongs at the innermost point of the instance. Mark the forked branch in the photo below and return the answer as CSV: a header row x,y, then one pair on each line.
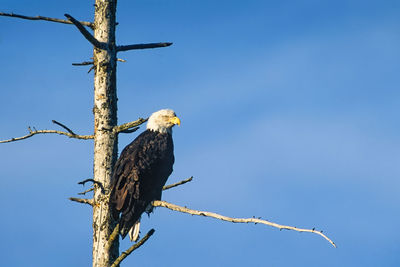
x,y
158,203
34,132
85,23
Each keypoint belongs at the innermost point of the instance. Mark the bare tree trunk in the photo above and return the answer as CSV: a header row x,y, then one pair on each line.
x,y
105,140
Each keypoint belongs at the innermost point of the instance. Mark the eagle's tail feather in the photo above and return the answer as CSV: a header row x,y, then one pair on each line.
x,y
134,231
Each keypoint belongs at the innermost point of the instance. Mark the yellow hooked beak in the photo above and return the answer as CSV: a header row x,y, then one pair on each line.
x,y
175,120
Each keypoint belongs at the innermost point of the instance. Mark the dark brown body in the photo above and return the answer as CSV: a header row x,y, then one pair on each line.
x,y
139,176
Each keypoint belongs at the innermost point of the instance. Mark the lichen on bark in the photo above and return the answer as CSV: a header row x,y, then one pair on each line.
x,y
105,140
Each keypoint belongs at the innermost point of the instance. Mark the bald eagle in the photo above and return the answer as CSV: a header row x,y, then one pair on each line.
x,y
142,170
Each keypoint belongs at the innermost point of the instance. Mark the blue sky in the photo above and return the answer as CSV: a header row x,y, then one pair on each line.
x,y
289,111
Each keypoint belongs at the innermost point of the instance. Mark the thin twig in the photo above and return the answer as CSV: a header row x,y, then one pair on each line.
x,y
95,182
121,60
129,125
91,68
82,200
158,203
132,248
65,127
166,187
86,33
86,191
130,130
34,132
85,23
121,48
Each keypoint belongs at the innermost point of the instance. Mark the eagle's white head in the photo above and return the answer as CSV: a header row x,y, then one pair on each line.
x,y
162,121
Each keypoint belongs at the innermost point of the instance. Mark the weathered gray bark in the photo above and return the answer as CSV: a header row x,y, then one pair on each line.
x,y
105,139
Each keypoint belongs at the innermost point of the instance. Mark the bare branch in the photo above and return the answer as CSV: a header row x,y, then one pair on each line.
x,y
86,33
34,132
82,200
86,191
158,203
91,68
94,182
132,248
85,23
130,130
85,63
129,125
121,48
65,127
178,184
113,236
